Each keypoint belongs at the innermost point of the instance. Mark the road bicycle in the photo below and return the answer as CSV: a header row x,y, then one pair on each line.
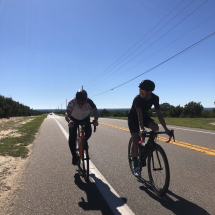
x,y
157,163
82,150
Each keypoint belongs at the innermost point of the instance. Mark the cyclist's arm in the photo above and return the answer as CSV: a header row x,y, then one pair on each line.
x,y
95,113
161,120
140,117
67,117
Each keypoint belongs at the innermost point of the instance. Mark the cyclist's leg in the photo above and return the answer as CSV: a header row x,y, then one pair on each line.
x,y
153,125
88,129
134,130
150,123
72,138
135,140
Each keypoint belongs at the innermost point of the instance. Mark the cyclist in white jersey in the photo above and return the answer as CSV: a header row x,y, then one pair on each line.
x,y
78,111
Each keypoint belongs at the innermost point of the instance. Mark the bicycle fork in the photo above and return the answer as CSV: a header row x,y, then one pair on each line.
x,y
156,169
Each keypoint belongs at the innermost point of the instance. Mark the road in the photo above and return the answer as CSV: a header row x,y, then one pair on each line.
x,y
54,186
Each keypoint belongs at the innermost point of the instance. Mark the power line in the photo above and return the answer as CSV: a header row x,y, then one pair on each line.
x,y
159,50
176,55
145,42
155,40
135,43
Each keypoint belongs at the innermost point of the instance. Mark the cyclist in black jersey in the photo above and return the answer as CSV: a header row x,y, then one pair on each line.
x,y
138,117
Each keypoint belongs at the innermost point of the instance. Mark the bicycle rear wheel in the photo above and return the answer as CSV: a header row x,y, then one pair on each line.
x,y
85,161
158,170
130,157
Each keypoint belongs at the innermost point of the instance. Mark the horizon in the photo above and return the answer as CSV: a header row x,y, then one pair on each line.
x,y
108,109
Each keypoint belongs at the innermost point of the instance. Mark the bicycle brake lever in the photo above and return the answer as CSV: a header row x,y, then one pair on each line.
x,y
172,132
143,137
169,139
142,140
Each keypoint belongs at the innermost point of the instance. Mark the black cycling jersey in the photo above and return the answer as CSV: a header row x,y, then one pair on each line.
x,y
144,103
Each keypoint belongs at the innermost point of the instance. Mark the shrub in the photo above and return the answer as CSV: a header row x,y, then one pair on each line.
x,y
193,109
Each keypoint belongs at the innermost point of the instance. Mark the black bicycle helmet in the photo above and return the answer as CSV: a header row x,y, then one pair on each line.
x,y
147,85
81,95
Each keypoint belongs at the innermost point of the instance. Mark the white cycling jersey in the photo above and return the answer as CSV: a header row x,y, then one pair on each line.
x,y
78,113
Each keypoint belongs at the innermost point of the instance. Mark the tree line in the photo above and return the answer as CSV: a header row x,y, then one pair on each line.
x,y
190,110
11,108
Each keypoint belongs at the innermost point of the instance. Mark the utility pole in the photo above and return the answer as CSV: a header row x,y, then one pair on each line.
x,y
82,87
66,103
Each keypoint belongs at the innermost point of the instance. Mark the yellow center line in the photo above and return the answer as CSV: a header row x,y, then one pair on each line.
x,y
179,143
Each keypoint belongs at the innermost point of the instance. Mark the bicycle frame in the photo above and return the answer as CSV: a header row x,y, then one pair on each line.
x,y
150,143
81,134
157,165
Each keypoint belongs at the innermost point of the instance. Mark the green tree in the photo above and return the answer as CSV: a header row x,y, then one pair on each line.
x,y
104,113
1,112
117,113
125,113
193,109
166,107
206,114
9,108
176,111
213,113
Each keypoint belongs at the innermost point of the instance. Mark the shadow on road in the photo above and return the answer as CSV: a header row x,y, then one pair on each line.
x,y
180,206
95,200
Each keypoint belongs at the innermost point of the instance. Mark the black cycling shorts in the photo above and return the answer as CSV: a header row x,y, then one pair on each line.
x,y
133,123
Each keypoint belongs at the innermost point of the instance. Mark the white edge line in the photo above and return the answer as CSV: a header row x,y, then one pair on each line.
x,y
176,128
192,130
117,205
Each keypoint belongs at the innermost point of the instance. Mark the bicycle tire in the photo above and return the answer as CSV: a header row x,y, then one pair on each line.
x,y
85,161
130,157
158,187
78,141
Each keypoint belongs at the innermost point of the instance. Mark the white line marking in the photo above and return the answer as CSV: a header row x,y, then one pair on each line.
x,y
173,127
117,205
192,130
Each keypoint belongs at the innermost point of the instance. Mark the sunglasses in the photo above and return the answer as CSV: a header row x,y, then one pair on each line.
x,y
80,103
143,91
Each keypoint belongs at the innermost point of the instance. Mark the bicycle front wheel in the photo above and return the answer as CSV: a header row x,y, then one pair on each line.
x,y
78,142
158,170
85,160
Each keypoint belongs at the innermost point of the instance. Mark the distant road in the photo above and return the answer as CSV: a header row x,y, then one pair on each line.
x,y
54,186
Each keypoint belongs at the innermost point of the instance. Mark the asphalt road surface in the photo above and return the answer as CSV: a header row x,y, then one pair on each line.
x,y
54,186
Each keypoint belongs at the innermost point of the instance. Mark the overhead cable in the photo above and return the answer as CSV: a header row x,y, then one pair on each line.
x,y
158,50
176,55
135,43
153,42
144,43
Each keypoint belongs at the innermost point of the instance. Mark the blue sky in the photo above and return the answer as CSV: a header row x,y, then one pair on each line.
x,y
50,49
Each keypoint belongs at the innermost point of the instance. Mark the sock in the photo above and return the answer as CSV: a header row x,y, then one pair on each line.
x,y
135,161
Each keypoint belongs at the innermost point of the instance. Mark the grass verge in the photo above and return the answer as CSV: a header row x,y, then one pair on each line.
x,y
185,122
16,146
